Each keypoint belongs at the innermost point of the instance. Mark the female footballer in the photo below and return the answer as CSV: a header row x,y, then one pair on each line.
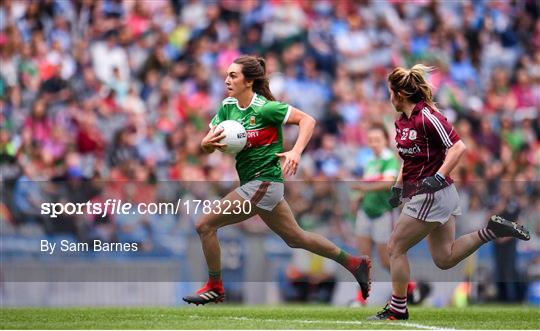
x,y
251,103
430,149
375,219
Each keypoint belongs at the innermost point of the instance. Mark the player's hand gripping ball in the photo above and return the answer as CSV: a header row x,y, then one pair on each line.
x,y
235,136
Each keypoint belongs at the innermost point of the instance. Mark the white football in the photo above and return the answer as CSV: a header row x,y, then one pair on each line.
x,y
235,136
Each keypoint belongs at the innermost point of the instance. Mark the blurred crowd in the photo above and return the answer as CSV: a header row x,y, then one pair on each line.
x,y
109,91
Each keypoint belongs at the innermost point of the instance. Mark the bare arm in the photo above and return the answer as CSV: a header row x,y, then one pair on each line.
x,y
385,184
399,180
453,156
306,124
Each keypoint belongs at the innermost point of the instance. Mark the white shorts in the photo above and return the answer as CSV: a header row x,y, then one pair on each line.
x,y
378,228
434,207
265,195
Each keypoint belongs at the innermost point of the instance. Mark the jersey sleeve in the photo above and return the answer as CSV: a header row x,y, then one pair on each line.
x,y
275,112
437,127
219,117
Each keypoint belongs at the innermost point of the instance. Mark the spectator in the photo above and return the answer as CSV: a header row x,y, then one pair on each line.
x,y
107,55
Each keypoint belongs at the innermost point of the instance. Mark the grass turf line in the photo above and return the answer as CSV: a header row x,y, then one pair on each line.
x,y
263,317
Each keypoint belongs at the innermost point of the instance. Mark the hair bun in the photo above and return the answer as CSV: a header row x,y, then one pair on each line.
x,y
262,62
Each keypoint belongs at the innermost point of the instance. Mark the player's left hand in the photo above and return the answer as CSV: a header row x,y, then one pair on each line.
x,y
433,183
290,163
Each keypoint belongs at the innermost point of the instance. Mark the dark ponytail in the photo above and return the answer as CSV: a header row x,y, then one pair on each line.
x,y
255,69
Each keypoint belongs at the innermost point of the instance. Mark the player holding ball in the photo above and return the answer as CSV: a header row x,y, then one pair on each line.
x,y
430,149
251,103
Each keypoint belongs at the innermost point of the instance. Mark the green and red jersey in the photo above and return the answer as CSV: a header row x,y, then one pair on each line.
x,y
263,121
375,203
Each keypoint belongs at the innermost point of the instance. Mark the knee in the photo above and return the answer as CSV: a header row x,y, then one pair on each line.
x,y
395,250
385,262
203,227
443,264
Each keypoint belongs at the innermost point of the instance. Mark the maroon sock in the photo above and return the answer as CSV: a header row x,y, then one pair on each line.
x,y
398,304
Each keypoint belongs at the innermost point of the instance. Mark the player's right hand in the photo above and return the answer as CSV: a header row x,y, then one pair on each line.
x,y
290,163
212,138
395,198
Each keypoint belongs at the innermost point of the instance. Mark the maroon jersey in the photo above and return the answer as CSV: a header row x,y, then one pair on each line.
x,y
422,141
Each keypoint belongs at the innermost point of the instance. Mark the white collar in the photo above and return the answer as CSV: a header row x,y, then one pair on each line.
x,y
252,99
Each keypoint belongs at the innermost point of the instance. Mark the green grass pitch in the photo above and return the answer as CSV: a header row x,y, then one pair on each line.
x,y
264,317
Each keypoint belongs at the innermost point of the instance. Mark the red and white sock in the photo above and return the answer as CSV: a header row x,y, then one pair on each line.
x,y
398,304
